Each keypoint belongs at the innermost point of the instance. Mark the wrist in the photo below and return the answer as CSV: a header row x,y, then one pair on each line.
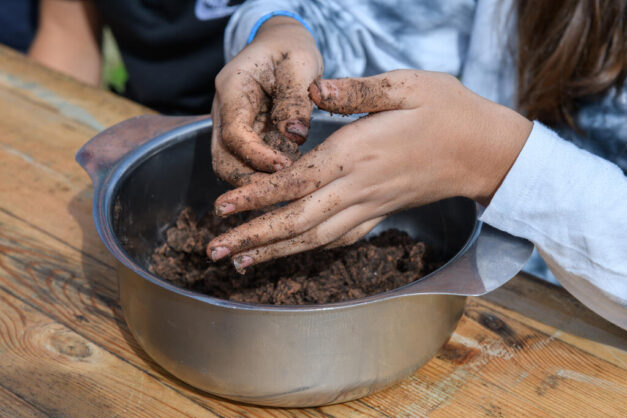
x,y
507,133
282,34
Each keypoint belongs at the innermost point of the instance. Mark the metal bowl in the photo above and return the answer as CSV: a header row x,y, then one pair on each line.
x,y
146,169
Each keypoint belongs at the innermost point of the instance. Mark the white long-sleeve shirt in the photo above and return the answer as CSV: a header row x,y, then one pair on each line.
x,y
570,203
573,206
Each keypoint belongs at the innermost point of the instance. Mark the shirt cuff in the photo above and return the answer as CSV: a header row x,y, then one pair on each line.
x,y
519,185
263,19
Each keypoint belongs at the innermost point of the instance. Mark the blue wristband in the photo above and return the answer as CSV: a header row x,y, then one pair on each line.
x,y
269,16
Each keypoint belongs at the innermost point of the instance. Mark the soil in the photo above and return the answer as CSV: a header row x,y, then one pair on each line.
x,y
279,142
384,262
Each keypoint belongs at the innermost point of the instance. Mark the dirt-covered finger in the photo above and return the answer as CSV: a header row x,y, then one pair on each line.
x,y
330,231
243,141
282,223
292,107
355,234
310,173
226,165
387,91
241,101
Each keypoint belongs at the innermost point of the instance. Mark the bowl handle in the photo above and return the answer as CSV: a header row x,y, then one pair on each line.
x,y
105,150
491,260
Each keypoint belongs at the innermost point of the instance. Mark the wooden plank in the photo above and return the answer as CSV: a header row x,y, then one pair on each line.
x,y
607,341
11,405
551,308
494,364
62,374
75,101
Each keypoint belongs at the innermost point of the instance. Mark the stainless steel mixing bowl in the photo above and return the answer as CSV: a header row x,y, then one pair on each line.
x,y
145,170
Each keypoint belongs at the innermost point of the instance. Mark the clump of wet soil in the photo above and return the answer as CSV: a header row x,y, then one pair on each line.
x,y
384,262
281,143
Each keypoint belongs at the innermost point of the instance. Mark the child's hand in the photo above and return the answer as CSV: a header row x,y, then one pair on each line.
x,y
431,139
265,84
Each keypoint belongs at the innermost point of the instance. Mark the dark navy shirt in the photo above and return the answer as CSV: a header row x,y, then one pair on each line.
x,y
18,23
172,49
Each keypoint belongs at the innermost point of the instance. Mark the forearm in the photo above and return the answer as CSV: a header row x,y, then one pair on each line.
x,y
68,39
573,206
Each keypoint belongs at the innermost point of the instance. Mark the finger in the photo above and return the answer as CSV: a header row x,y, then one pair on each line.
x,y
292,106
241,101
387,91
282,223
330,231
312,172
226,165
355,234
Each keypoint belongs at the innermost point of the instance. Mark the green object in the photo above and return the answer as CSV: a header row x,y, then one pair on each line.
x,y
114,75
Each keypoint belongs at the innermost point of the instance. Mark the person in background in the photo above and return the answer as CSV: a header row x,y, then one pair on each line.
x,y
172,49
561,64
18,23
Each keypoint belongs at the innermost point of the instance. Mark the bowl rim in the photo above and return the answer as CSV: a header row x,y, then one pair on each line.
x,y
104,199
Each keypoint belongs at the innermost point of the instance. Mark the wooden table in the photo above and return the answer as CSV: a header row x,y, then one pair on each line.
x,y
525,349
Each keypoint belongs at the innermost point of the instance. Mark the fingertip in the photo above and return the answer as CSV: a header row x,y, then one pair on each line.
x,y
217,252
241,262
314,92
326,94
295,129
224,208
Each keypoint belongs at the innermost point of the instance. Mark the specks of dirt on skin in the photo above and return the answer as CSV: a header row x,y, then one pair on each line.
x,y
350,96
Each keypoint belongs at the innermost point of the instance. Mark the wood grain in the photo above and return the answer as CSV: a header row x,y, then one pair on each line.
x,y
524,350
11,405
63,374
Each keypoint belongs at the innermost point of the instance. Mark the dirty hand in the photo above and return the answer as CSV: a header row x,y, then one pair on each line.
x,y
431,139
265,84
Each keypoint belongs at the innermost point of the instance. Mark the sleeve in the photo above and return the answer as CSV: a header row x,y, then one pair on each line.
x,y
367,37
573,206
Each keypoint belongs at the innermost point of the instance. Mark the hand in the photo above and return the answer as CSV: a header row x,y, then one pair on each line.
x,y
431,139
265,84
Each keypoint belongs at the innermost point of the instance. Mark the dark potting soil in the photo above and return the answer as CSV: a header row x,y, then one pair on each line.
x,y
277,141
384,262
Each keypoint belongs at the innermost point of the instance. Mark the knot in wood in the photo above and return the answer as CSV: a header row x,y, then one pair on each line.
x,y
70,345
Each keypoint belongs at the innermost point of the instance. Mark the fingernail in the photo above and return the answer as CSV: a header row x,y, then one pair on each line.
x,y
242,262
225,208
219,252
297,127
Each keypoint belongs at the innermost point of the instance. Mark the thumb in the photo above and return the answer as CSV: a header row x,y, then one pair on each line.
x,y
387,91
291,111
